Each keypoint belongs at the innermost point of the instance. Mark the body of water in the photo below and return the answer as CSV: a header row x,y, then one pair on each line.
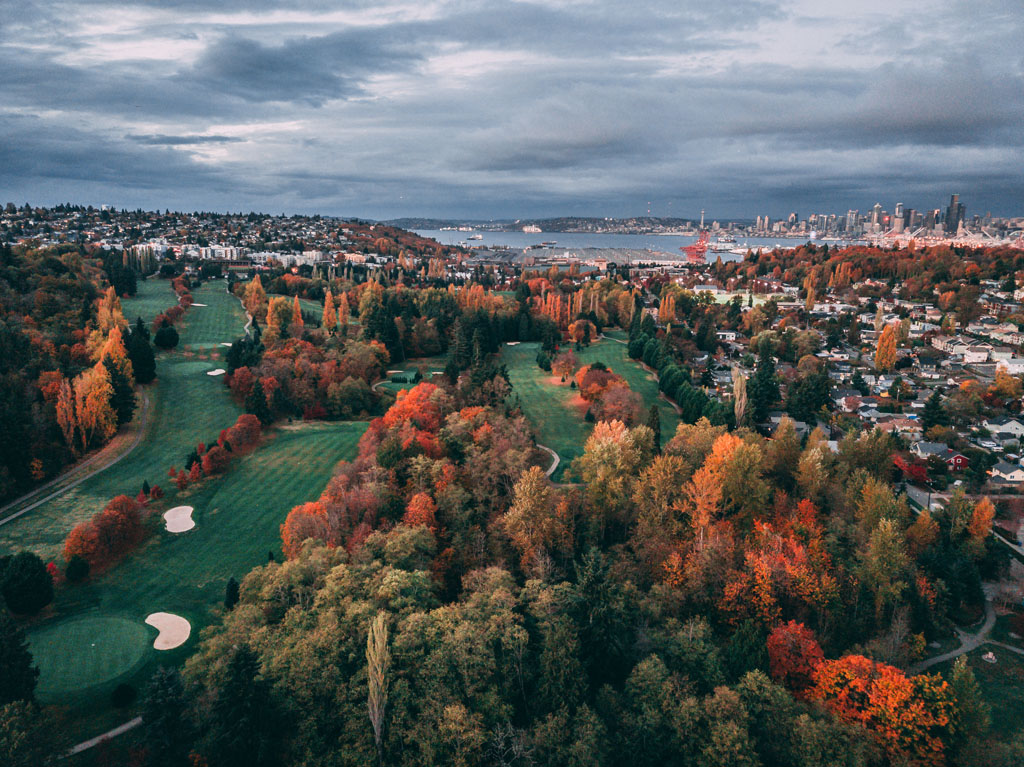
x,y
669,243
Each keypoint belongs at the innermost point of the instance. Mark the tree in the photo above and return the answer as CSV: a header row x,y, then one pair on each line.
x,y
739,395
763,388
885,352
122,394
231,594
297,323
910,717
215,460
17,674
330,318
654,424
973,713
27,736
27,585
378,662
256,404
140,352
166,337
933,413
564,364
244,721
166,724
254,296
794,656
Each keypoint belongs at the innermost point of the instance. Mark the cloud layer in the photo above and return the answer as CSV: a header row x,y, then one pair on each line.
x,y
502,108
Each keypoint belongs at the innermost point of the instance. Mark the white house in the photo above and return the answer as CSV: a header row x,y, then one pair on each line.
x,y
1007,472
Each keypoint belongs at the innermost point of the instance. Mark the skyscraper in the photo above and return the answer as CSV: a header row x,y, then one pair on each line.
x,y
955,214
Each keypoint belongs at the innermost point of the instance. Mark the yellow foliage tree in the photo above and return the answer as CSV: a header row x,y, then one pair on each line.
x,y
330,318
885,353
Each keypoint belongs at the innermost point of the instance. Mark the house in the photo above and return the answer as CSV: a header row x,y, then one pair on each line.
x,y
1004,424
1014,366
726,335
956,461
1007,472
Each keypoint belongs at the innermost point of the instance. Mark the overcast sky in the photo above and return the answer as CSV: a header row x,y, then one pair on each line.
x,y
499,109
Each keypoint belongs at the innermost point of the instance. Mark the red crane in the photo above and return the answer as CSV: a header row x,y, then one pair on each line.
x,y
698,252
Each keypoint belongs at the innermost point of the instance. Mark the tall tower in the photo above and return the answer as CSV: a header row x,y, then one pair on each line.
x,y
702,218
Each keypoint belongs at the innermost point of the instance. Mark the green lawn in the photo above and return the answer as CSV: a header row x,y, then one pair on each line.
x,y
238,518
557,422
186,406
151,297
94,637
1002,684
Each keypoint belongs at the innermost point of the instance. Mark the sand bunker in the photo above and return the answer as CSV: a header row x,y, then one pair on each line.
x,y
217,372
226,343
174,630
179,519
198,304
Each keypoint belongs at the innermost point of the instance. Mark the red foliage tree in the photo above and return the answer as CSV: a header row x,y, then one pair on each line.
x,y
195,473
245,433
215,460
793,656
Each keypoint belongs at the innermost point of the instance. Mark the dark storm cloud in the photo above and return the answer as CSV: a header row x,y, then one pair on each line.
x,y
498,108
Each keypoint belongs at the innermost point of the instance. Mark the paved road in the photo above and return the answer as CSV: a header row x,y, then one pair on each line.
x,y
100,455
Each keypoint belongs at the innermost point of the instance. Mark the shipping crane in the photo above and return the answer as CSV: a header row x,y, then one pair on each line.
x,y
697,252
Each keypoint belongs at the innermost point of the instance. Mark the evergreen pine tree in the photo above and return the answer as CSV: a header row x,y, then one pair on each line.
x,y
122,398
654,424
17,674
140,352
243,720
256,403
231,594
167,729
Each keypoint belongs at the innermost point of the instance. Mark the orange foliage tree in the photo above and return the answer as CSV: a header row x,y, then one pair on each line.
x,y
911,717
309,520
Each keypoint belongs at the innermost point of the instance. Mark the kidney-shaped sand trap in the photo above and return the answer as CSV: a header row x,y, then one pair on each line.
x,y
174,630
179,519
226,343
197,304
217,372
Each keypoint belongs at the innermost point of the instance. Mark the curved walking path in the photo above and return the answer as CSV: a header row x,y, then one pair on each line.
x,y
968,642
85,745
554,464
144,419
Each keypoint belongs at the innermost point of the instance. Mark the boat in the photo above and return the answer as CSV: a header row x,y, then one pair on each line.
x,y
532,229
476,236
726,238
549,243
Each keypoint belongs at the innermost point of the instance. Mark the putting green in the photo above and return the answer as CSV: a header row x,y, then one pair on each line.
x,y
84,652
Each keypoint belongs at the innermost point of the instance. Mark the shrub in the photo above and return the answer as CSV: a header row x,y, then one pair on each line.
x,y
123,695
27,584
166,337
77,569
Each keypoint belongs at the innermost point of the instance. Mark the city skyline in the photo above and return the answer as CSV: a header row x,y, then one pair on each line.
x,y
496,110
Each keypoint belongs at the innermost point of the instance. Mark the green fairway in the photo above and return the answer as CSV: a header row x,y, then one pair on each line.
x,y
151,297
85,652
187,406
557,422
238,520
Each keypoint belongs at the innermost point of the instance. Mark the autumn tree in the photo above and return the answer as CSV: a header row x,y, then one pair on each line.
x,y
912,718
254,296
885,352
308,520
739,395
794,656
564,365
330,318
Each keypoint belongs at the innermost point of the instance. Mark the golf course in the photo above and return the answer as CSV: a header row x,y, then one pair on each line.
x,y
95,635
551,407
